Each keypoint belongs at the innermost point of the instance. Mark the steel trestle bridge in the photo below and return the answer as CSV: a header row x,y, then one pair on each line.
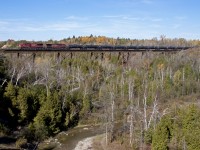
x,y
98,48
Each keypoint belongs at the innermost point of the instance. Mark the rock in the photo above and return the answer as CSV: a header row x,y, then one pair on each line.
x,y
85,144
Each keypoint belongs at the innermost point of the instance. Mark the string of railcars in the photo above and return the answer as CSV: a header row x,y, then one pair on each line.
x,y
42,46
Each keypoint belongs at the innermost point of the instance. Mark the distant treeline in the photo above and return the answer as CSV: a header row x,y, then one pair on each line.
x,y
102,40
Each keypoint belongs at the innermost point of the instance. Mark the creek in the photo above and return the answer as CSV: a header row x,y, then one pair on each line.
x,y
67,140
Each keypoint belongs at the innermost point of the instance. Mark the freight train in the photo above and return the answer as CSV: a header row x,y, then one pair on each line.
x,y
42,46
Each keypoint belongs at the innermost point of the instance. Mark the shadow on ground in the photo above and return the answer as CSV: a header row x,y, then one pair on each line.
x,y
7,140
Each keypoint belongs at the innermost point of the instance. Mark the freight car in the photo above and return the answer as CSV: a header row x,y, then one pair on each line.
x,y
55,46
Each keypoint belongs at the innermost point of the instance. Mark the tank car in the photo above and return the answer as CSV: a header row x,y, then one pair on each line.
x,y
75,47
106,47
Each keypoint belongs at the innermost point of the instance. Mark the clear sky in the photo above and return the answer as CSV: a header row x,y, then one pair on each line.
x,y
58,19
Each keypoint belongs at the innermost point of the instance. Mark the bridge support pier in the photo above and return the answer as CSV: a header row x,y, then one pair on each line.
x,y
119,54
143,53
71,55
96,56
128,56
91,54
58,57
102,56
34,55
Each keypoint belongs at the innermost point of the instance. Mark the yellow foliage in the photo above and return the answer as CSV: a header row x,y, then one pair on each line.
x,y
160,66
177,77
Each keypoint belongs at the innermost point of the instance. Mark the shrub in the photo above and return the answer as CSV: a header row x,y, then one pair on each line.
x,y
3,129
21,143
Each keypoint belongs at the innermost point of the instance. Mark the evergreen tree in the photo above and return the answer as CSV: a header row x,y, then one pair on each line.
x,y
10,98
191,127
50,114
162,134
28,104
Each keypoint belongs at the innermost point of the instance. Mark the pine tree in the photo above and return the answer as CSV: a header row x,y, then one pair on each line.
x,y
49,115
162,134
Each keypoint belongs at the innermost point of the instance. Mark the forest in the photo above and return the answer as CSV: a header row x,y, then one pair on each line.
x,y
151,101
103,40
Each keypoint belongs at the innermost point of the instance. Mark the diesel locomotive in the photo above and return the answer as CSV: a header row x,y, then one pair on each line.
x,y
41,46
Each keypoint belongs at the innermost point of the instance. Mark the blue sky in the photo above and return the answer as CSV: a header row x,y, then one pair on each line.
x,y
135,19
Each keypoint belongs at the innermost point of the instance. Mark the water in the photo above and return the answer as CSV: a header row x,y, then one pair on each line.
x,y
70,138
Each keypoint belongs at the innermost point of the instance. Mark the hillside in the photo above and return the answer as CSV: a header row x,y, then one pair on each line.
x,y
155,95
